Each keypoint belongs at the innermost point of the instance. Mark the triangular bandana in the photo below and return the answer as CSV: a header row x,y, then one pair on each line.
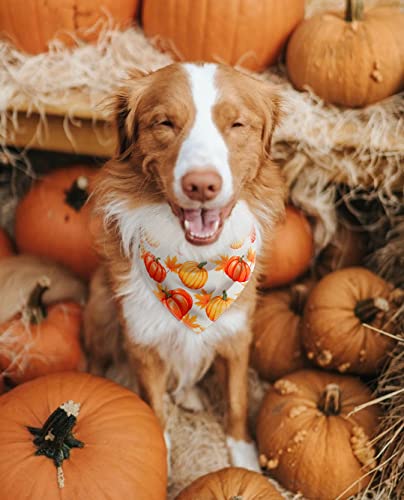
x,y
197,293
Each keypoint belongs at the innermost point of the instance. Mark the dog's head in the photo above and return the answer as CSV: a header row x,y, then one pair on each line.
x,y
200,133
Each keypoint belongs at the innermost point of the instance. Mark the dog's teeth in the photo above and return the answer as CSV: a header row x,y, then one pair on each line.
x,y
215,227
186,225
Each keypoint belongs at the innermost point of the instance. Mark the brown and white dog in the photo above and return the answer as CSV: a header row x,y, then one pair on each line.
x,y
194,170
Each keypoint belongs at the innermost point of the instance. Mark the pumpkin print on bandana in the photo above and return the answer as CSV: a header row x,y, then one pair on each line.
x,y
197,293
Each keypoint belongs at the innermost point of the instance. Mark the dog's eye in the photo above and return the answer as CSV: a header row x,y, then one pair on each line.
x,y
237,124
167,123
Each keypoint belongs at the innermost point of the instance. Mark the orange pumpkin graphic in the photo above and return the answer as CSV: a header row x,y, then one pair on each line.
x,y
177,301
153,267
193,275
217,306
237,269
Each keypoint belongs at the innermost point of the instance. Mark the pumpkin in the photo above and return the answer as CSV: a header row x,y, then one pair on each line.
x,y
6,248
53,220
231,483
291,252
77,436
177,301
237,269
353,58
217,306
334,332
347,249
193,274
34,24
277,348
251,34
307,438
155,270
41,340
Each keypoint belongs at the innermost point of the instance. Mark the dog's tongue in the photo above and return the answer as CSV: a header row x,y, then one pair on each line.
x,y
202,222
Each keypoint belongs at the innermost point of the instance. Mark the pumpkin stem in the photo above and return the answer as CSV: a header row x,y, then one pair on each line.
x,y
299,293
354,10
224,295
330,401
35,311
202,264
77,195
55,439
366,310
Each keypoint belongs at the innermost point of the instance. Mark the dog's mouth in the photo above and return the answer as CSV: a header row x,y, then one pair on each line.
x,y
202,226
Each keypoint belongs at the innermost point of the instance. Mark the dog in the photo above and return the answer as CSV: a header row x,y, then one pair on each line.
x,y
188,203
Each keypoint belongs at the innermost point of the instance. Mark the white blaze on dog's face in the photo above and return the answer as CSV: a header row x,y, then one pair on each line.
x,y
201,131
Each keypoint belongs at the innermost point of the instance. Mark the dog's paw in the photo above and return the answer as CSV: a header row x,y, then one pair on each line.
x,y
243,454
190,400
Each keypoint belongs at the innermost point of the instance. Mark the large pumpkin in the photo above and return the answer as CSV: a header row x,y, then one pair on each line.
x,y
75,436
177,301
291,252
353,58
217,306
53,220
309,441
6,248
32,24
334,332
40,339
246,32
193,274
277,346
230,483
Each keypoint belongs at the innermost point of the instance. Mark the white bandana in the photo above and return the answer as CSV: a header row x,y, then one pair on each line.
x,y
196,293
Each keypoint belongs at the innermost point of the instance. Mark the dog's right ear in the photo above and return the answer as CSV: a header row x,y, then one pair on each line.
x,y
125,105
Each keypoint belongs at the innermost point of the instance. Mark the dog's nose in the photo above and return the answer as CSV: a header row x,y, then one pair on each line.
x,y
201,185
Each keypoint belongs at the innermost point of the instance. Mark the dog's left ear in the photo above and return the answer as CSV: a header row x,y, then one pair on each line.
x,y
272,103
125,107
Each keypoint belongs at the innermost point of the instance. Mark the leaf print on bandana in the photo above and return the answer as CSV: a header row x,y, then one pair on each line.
x,y
202,299
217,306
193,274
251,255
237,269
191,322
221,263
154,268
172,264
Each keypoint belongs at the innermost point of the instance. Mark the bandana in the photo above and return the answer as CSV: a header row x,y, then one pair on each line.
x,y
197,293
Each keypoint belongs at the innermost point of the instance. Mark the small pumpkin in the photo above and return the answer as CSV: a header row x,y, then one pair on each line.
x,y
77,436
231,483
291,251
193,274
6,248
41,340
177,301
237,269
217,306
155,270
32,27
227,31
309,441
334,332
53,220
353,59
277,346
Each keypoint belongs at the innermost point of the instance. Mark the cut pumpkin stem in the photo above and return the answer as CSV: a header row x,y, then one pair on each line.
x,y
54,439
354,10
330,401
299,292
77,195
366,310
35,311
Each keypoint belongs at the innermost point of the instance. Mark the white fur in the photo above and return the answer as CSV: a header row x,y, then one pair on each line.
x,y
187,354
167,440
243,454
204,146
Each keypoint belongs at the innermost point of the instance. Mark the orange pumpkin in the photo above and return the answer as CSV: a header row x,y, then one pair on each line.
x,y
251,34
6,249
53,220
237,269
353,59
230,484
101,442
308,440
41,340
154,268
193,274
291,251
333,330
217,306
277,346
177,301
32,27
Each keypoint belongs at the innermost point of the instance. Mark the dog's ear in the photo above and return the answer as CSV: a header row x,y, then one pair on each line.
x,y
272,107
125,106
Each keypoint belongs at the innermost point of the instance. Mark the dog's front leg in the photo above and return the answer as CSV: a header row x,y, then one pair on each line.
x,y
243,452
